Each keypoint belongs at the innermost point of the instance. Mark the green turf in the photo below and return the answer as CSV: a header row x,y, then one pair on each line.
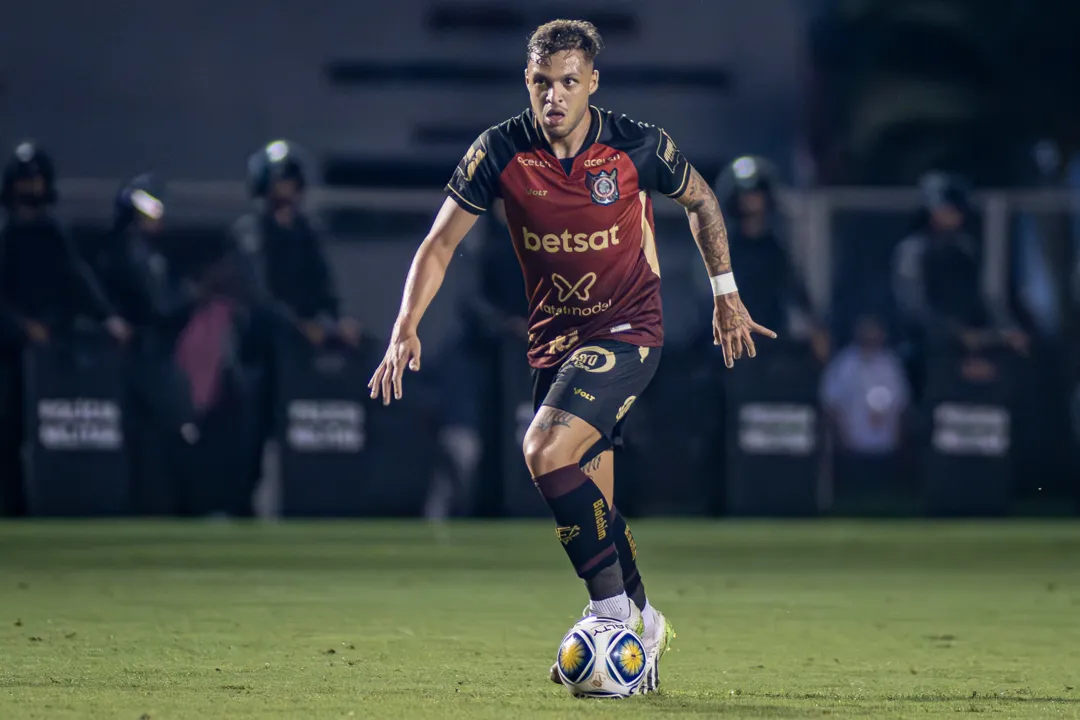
x,y
378,620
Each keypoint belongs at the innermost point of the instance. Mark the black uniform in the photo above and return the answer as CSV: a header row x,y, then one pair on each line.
x,y
43,277
937,273
146,287
289,265
768,280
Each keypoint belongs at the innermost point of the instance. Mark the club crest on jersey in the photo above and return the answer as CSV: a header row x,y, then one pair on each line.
x,y
603,186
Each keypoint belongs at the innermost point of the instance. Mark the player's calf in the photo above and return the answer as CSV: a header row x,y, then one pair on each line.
x,y
599,464
553,448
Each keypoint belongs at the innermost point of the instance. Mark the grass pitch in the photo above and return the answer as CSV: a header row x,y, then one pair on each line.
x,y
381,620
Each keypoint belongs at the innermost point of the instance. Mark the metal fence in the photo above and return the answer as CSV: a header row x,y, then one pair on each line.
x,y
813,216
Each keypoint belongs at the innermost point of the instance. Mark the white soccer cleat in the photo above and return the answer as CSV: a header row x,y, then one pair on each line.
x,y
657,641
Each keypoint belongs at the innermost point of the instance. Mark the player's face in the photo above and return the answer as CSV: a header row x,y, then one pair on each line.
x,y
559,88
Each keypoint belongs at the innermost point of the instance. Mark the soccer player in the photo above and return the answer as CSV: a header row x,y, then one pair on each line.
x,y
576,182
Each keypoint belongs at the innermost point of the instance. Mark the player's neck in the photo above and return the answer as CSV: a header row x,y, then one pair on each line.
x,y
571,145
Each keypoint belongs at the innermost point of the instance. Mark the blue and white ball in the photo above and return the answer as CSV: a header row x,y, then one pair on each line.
x,y
601,658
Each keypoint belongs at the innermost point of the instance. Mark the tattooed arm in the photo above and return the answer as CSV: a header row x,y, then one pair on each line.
x,y
732,324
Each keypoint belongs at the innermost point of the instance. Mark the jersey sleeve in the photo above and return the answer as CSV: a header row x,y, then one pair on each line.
x,y
475,183
661,167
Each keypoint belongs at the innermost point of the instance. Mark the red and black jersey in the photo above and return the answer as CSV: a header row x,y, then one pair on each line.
x,y
585,235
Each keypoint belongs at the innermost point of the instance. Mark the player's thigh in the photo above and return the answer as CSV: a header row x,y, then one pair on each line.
x,y
596,386
600,382
556,438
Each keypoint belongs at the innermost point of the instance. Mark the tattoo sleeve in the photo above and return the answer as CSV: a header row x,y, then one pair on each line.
x,y
706,224
549,417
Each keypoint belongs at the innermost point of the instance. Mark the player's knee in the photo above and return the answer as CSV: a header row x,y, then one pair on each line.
x,y
544,453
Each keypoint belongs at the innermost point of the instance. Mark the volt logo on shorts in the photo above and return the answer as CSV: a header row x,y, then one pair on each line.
x,y
581,393
570,241
579,289
592,358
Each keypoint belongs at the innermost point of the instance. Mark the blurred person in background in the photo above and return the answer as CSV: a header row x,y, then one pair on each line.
x,y
45,289
865,394
493,315
284,243
137,272
747,190
147,286
937,283
289,283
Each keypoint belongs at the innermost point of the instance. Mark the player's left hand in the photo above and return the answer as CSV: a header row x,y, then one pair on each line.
x,y
404,351
733,328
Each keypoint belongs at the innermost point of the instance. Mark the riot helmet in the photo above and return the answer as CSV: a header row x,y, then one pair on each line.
x,y
140,200
279,161
29,178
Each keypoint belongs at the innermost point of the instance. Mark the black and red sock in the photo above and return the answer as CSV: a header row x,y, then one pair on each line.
x,y
627,549
584,528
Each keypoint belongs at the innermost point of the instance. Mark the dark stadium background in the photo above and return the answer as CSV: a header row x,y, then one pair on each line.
x,y
852,104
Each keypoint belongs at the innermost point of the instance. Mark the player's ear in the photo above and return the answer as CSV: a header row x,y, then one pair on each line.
x,y
526,77
594,81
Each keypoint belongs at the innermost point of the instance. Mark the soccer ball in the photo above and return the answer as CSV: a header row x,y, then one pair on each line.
x,y
601,657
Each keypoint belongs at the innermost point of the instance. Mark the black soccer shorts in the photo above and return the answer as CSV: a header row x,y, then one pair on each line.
x,y
598,383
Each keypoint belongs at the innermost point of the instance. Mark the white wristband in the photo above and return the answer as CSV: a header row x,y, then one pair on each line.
x,y
723,284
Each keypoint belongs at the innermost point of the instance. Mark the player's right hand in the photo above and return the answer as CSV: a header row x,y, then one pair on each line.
x,y
404,351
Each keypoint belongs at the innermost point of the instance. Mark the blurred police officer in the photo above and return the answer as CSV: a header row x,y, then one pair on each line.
x,y
284,245
747,190
45,286
290,286
146,284
937,286
137,272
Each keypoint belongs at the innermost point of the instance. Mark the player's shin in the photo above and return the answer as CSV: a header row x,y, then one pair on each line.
x,y
583,527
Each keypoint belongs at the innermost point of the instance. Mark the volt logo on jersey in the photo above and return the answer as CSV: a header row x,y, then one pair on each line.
x,y
580,289
603,186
